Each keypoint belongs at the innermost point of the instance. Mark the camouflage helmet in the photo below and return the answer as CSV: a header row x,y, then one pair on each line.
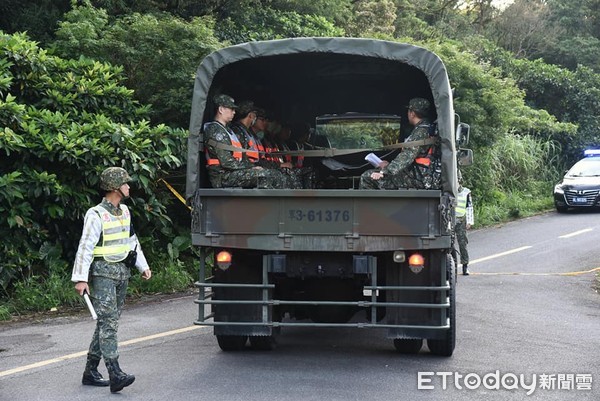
x,y
419,105
113,177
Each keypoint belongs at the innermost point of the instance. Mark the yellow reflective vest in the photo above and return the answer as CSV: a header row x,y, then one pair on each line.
x,y
115,235
461,202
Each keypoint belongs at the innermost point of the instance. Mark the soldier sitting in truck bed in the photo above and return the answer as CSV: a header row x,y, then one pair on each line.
x,y
226,166
414,167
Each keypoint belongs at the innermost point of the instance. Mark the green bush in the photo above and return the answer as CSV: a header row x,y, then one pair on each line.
x,y
62,123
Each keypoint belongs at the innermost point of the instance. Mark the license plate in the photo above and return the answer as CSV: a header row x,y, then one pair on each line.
x,y
579,200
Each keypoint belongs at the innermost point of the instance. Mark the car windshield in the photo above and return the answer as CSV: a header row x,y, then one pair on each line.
x,y
359,132
585,168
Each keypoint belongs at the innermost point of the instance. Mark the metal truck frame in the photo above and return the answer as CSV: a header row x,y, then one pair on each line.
x,y
326,257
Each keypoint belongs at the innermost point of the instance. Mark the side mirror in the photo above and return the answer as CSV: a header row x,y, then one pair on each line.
x,y
463,130
465,157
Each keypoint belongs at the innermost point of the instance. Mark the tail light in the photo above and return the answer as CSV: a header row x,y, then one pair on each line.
x,y
223,260
416,262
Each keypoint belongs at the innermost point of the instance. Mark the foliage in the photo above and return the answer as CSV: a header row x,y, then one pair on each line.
x,y
64,121
38,18
571,96
159,54
267,23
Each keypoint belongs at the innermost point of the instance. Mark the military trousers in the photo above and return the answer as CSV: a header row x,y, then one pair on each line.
x,y
462,239
107,296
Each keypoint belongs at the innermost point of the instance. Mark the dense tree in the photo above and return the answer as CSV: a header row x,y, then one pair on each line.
x,y
159,53
39,18
62,122
373,17
524,29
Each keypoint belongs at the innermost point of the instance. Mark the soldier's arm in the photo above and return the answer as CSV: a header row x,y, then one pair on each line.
x,y
408,155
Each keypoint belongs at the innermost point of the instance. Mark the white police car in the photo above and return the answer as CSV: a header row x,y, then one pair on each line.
x,y
580,186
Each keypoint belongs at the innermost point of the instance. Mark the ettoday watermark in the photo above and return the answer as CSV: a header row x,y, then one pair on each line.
x,y
504,381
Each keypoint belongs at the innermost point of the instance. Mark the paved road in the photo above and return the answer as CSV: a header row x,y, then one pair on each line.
x,y
516,316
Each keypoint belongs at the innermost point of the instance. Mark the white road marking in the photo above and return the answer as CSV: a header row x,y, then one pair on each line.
x,y
83,353
587,230
497,255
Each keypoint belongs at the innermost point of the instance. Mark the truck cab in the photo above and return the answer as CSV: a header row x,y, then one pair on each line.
x,y
330,254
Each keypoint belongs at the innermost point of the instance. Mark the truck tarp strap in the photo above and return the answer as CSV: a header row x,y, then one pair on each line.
x,y
324,152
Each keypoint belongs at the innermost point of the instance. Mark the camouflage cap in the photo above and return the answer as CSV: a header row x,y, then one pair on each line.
x,y
225,101
246,107
260,112
419,105
113,177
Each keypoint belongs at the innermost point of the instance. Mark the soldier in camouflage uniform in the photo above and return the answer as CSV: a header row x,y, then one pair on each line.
x,y
228,167
104,258
415,167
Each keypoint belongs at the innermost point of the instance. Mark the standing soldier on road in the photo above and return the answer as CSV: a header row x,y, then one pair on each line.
x,y
464,220
108,248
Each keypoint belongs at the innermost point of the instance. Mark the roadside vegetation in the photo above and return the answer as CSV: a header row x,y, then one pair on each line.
x,y
98,83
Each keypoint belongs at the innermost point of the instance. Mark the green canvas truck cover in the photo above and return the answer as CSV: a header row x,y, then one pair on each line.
x,y
324,75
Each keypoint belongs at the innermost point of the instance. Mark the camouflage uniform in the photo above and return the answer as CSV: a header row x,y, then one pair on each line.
x,y
231,172
464,218
108,280
108,289
463,240
403,171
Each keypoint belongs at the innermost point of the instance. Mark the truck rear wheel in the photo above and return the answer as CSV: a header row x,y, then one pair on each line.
x,y
445,346
232,343
408,345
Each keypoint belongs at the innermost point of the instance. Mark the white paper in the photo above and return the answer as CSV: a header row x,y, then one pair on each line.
x,y
90,306
373,159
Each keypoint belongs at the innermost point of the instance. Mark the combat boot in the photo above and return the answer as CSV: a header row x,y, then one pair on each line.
x,y
118,378
465,270
91,376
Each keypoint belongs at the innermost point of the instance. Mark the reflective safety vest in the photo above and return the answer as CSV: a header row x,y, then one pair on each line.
x,y
234,142
425,161
252,154
461,202
115,235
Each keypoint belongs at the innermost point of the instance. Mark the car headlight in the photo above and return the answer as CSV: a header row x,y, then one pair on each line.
x,y
558,189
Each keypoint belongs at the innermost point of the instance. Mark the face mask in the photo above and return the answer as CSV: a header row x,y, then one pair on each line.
x,y
260,135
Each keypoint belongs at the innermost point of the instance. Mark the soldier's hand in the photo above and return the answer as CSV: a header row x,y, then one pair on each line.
x,y
384,164
82,287
257,168
376,176
286,165
146,274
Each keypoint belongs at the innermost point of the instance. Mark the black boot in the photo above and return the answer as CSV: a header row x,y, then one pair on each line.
x,y
91,376
465,270
118,378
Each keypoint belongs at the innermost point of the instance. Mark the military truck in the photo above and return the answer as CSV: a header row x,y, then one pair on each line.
x,y
331,255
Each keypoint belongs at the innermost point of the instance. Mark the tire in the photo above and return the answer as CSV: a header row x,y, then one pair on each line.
x,y
445,346
232,343
408,345
263,343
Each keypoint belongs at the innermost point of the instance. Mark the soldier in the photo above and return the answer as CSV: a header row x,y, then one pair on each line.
x,y
414,167
226,166
108,248
464,220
